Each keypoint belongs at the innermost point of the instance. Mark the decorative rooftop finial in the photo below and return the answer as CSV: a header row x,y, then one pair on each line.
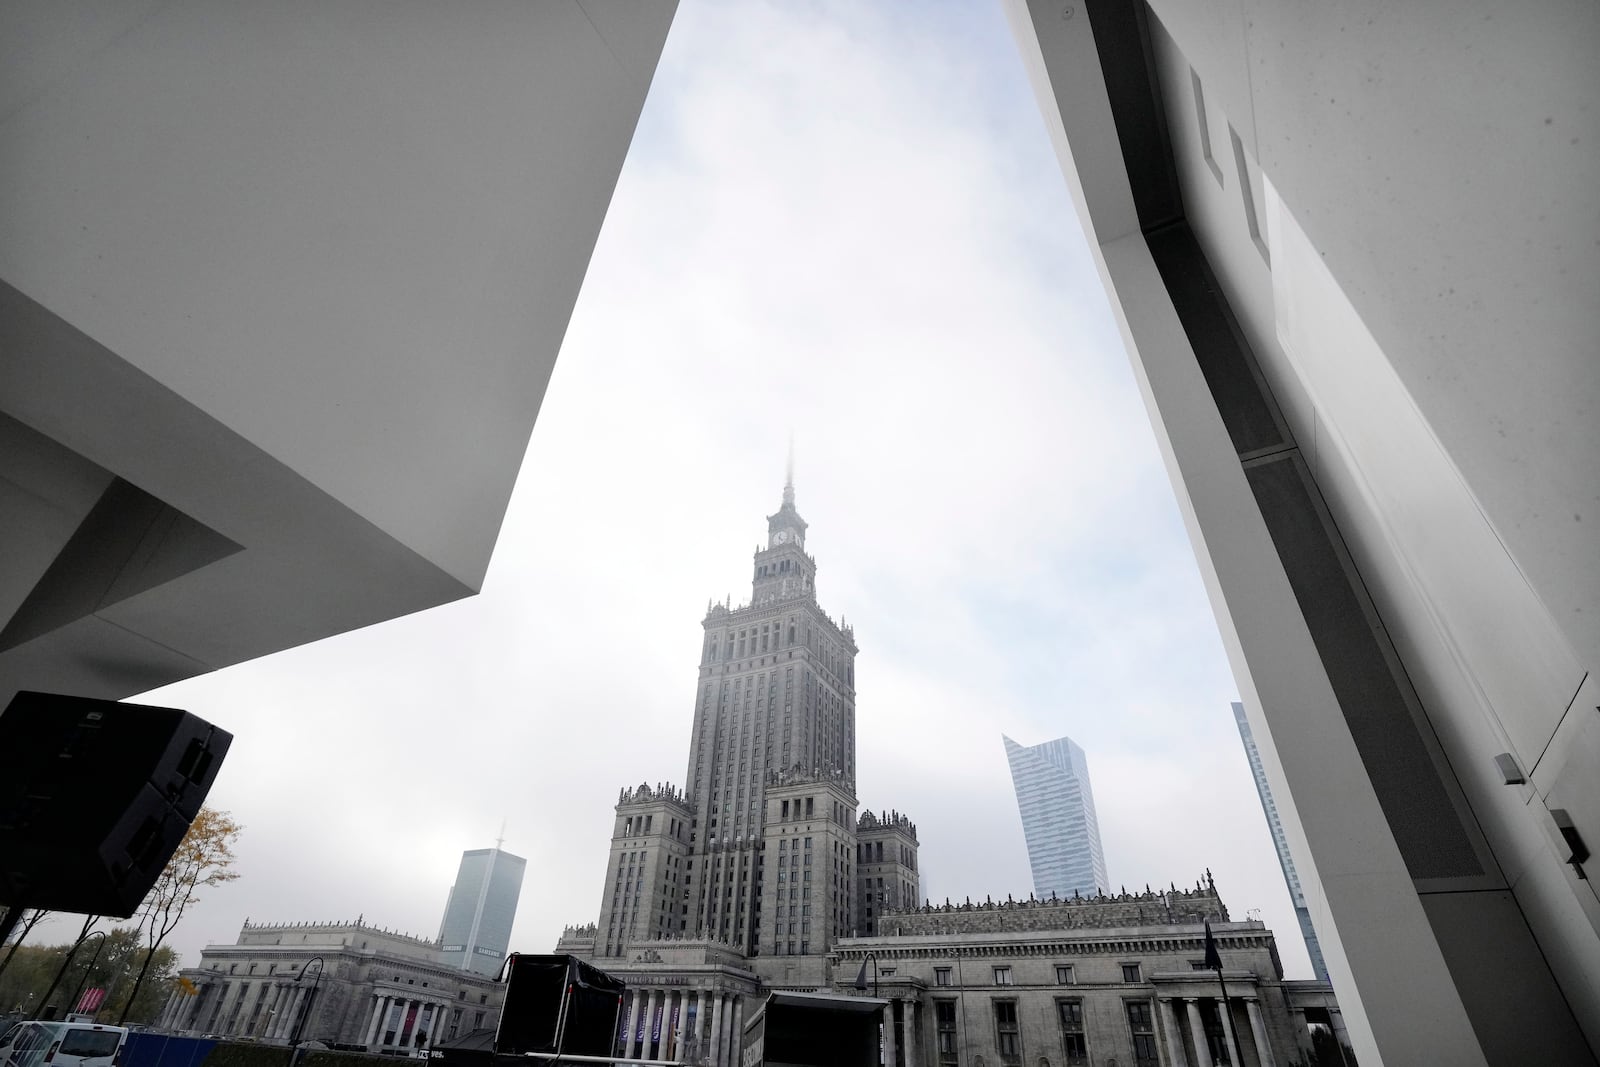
x,y
788,474
499,842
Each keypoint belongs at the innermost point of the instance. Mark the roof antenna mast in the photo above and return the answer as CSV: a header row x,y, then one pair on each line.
x,y
788,473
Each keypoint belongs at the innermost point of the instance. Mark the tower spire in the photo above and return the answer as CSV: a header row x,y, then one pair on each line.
x,y
788,474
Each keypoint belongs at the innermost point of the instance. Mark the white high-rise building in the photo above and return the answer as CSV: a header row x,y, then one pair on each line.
x,y
1058,817
1280,843
476,931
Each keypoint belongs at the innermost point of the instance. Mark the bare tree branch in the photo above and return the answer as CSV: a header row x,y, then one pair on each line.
x,y
23,930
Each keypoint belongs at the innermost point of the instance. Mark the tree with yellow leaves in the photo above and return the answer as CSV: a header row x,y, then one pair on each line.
x,y
203,860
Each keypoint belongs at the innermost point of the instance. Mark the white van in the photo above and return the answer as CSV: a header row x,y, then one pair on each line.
x,y
37,1044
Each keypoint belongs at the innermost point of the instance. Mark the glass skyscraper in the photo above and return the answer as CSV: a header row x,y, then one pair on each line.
x,y
1058,818
476,931
1270,808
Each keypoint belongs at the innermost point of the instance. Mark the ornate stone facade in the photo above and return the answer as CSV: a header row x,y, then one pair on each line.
x,y
887,860
378,989
1103,980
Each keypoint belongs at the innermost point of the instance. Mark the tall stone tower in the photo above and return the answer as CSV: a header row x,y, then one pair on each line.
x,y
759,851
776,702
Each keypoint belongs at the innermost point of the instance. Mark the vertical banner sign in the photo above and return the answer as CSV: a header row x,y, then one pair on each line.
x,y
671,1048
754,1044
655,1022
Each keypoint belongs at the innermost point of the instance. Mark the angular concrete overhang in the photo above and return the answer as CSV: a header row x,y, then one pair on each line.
x,y
281,288
1368,362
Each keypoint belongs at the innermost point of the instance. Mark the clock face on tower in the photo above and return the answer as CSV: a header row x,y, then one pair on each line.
x,y
783,537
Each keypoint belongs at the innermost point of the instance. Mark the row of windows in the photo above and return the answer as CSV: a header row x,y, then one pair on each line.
x,y
1074,1039
1131,973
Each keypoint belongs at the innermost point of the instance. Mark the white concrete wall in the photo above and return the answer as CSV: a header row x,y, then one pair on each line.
x,y
300,270
1410,291
1494,669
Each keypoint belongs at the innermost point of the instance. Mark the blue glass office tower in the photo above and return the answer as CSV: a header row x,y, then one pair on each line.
x,y
476,931
1058,818
1281,843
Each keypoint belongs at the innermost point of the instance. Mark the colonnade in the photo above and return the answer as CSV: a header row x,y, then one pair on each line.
x,y
427,1018
901,1010
1197,1032
269,1014
680,1023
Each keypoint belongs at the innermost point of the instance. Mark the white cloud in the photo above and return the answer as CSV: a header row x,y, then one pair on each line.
x,y
842,220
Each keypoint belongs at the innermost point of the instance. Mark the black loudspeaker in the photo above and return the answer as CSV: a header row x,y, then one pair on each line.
x,y
559,1005
95,796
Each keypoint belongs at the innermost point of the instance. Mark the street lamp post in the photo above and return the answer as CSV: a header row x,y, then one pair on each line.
x,y
861,979
305,1011
861,984
44,1003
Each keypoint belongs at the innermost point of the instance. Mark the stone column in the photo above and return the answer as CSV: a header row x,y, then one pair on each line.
x,y
714,1041
265,1017
202,1000
888,1033
297,1004
1169,1026
395,1004
1197,1030
1340,1034
230,995
408,1021
166,1008
377,1020
652,1012
736,1031
1258,1027
1227,1031
283,1021
672,1047
215,1010
629,1013
699,1021
913,1041
630,1046
424,1023
272,1015
241,1020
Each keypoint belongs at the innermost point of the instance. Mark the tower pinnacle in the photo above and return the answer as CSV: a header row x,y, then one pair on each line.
x,y
788,475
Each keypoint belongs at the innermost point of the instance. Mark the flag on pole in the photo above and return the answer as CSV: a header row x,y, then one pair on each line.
x,y
1213,959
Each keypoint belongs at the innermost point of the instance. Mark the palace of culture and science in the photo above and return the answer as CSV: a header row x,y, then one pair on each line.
x,y
761,875
763,853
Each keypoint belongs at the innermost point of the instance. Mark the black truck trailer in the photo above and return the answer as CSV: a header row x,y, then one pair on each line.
x,y
813,1030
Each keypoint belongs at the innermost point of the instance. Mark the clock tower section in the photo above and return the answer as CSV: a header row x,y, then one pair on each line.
x,y
782,569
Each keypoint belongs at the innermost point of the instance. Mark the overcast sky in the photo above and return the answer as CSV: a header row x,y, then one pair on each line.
x,y
845,221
